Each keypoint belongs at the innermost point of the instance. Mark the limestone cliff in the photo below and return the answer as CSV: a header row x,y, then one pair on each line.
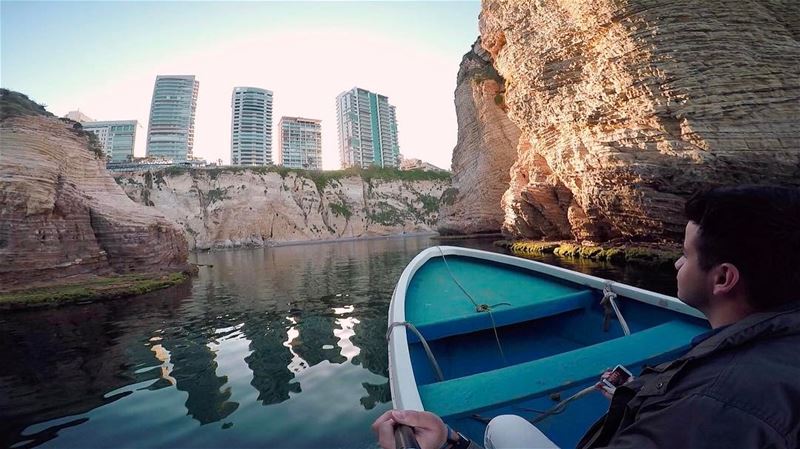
x,y
232,207
62,216
484,152
627,106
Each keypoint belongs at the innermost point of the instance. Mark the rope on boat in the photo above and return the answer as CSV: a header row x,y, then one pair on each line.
x,y
428,352
555,410
609,298
558,408
478,307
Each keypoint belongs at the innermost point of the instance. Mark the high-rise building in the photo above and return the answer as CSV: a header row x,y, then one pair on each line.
x,y
300,143
170,132
116,137
367,128
251,126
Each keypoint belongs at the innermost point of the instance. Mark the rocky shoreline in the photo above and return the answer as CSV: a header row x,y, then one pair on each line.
x,y
236,246
100,288
68,232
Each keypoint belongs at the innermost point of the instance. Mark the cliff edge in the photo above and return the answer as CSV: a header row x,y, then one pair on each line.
x,y
260,206
63,219
485,150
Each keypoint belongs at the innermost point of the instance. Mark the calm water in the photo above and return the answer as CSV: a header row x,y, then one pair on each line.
x,y
272,348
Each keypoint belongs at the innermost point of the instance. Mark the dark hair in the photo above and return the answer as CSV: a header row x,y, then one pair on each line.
x,y
757,229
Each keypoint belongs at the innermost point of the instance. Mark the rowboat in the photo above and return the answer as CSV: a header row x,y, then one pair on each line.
x,y
474,334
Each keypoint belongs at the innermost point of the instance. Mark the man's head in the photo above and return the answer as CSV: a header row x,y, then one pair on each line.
x,y
742,248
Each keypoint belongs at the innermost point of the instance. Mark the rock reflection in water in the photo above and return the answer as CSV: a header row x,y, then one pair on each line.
x,y
245,355
63,362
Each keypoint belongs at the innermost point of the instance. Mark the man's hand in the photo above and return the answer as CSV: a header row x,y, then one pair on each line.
x,y
602,387
429,429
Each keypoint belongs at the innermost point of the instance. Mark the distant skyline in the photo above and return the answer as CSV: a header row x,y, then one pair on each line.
x,y
103,58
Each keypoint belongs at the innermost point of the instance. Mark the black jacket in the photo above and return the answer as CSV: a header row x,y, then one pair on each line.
x,y
740,388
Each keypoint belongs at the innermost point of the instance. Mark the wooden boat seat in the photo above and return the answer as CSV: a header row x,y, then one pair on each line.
x,y
559,372
465,319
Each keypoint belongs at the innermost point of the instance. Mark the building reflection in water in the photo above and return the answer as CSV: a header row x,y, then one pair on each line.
x,y
315,334
345,332
269,359
232,347
166,364
195,372
297,364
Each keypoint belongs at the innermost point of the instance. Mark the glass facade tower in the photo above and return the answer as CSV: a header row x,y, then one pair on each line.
x,y
170,132
251,126
300,143
367,129
117,138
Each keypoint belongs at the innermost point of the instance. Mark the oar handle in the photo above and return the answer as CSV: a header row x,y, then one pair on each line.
x,y
404,438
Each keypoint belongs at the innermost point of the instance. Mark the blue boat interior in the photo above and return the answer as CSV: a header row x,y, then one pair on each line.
x,y
554,337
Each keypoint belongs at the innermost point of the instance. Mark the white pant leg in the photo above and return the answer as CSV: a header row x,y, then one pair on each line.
x,y
514,432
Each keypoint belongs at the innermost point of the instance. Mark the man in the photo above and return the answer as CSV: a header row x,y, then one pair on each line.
x,y
739,384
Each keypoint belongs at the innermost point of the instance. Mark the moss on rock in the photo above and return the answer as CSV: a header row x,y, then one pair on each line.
x,y
636,255
102,288
567,250
529,247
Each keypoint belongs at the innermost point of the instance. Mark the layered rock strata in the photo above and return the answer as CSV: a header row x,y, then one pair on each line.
x,y
626,107
484,152
62,216
224,208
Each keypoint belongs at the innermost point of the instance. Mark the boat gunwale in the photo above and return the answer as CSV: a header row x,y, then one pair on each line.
x,y
402,382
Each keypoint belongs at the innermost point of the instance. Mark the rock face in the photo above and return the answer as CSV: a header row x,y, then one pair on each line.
x,y
626,107
485,150
223,208
62,216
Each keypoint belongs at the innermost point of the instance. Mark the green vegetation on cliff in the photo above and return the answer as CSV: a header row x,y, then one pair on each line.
x,y
385,214
429,203
18,104
321,178
341,210
217,194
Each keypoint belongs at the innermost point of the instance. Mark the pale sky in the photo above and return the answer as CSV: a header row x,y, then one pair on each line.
x,y
103,58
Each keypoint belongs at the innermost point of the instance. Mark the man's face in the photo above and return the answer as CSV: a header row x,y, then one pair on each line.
x,y
693,288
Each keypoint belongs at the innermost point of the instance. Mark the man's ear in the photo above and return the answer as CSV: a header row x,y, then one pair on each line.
x,y
726,278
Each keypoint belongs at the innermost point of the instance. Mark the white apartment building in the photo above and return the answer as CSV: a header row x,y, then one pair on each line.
x,y
251,126
300,143
367,129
